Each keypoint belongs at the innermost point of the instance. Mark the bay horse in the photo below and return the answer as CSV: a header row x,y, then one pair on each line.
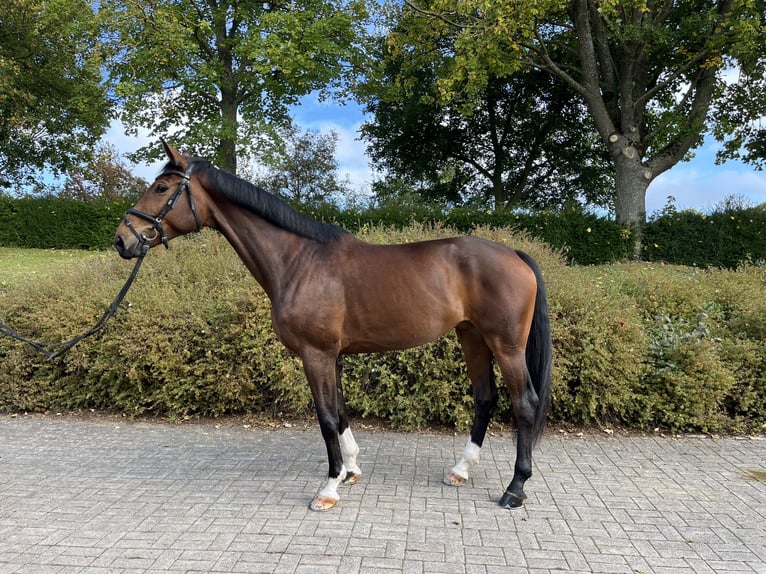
x,y
333,294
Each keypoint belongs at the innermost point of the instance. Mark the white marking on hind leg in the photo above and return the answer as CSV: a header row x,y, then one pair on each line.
x,y
350,450
459,473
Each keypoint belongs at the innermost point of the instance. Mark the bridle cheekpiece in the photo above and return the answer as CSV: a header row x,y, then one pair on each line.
x,y
156,220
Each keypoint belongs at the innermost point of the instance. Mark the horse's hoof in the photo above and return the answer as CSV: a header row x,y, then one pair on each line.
x,y
322,503
453,479
352,477
511,500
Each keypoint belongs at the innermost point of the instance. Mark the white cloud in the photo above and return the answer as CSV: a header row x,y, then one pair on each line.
x,y
125,144
345,120
353,162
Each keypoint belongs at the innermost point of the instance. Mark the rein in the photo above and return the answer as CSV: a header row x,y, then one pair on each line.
x,y
45,348
156,221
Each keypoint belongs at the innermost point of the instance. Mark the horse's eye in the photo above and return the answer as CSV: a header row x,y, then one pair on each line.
x,y
161,188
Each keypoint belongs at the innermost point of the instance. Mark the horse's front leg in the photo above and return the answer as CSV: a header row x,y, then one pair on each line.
x,y
320,369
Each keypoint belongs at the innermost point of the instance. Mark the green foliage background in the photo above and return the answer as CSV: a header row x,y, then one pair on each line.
x,y
638,344
55,222
724,238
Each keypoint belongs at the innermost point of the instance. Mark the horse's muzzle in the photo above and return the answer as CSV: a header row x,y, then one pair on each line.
x,y
127,248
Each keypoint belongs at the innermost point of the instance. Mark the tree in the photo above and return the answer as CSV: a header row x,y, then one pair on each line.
x,y
104,177
53,104
648,71
739,114
218,72
523,143
302,167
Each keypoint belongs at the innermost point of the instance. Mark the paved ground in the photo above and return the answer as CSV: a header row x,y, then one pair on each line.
x,y
108,495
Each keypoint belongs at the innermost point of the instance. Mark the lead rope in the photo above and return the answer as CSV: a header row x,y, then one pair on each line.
x,y
45,348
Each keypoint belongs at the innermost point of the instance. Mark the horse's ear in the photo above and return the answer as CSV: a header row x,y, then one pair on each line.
x,y
176,157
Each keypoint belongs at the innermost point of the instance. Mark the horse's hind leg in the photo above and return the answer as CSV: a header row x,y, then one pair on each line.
x,y
348,447
478,359
516,376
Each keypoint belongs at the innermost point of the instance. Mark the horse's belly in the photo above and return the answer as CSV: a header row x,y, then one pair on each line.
x,y
382,345
387,330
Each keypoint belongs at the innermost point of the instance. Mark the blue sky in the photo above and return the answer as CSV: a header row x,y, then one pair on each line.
x,y
697,184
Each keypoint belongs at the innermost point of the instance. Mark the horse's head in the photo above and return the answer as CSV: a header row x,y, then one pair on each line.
x,y
173,205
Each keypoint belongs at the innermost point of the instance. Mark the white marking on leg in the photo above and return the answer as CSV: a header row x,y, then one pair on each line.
x,y
327,497
350,450
470,458
330,489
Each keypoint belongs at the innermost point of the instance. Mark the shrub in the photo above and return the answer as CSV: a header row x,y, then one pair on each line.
x,y
637,344
413,388
688,381
194,339
585,238
59,223
706,367
725,238
600,350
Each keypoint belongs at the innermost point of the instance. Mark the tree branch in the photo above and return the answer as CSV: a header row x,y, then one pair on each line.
x,y
724,9
470,160
592,89
547,64
643,100
676,150
438,16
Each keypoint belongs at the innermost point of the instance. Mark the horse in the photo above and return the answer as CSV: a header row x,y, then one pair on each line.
x,y
333,294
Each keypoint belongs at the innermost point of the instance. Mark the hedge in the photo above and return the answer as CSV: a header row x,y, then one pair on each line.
x,y
59,223
725,238
582,236
636,344
52,222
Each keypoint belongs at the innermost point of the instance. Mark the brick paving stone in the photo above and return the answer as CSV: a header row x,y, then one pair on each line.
x,y
103,494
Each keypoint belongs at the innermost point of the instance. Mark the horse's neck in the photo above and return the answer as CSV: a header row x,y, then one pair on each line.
x,y
266,250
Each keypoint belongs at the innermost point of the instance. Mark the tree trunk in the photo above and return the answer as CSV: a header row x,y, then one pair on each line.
x,y
631,182
228,144
498,191
228,152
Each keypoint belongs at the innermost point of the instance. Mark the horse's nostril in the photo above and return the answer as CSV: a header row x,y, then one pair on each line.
x,y
122,248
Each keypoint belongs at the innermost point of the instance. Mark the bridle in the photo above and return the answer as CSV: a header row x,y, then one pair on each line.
x,y
156,220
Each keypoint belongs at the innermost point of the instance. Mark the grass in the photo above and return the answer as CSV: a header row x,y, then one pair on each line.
x,y
18,265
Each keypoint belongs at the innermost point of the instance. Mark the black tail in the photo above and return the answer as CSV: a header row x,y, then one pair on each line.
x,y
539,353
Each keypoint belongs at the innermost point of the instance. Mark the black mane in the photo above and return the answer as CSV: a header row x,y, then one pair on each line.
x,y
261,202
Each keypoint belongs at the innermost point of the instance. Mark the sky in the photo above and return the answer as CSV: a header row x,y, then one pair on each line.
x,y
698,184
